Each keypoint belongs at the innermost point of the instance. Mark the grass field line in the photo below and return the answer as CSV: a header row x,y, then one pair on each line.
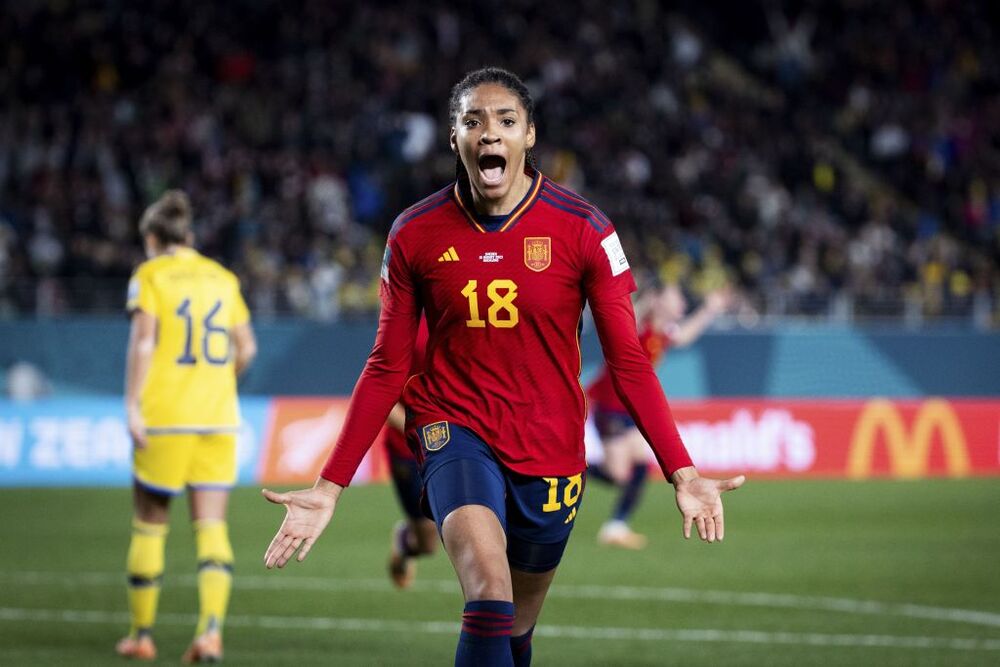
x,y
701,635
582,592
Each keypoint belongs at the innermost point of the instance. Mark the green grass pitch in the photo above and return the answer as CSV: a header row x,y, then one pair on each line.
x,y
818,572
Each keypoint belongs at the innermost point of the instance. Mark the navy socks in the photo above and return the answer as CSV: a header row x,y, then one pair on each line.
x,y
485,640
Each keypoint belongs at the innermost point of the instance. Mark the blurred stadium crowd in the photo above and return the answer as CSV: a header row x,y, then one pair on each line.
x,y
836,159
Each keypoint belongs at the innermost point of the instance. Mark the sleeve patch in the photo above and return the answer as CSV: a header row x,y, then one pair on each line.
x,y
616,254
385,263
133,293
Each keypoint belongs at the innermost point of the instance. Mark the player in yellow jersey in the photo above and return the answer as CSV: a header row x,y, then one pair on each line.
x,y
190,338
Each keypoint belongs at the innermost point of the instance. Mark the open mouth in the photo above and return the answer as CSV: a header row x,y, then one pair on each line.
x,y
491,168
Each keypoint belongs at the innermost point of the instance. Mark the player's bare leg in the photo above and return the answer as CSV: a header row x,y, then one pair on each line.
x,y
411,539
150,507
427,536
208,515
530,589
624,454
477,546
617,459
208,504
152,514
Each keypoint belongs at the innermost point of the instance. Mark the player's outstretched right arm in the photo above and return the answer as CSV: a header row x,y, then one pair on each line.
x,y
307,514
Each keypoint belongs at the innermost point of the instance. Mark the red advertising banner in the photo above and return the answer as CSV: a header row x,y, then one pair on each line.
x,y
856,439
843,438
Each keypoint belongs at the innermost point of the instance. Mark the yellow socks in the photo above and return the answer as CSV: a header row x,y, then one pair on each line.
x,y
215,572
145,570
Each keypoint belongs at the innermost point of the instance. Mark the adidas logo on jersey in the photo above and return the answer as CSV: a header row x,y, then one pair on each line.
x,y
449,255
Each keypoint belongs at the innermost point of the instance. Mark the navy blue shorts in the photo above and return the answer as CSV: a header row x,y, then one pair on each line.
x,y
612,423
405,473
537,513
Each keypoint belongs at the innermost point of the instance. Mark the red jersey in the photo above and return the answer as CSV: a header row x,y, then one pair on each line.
x,y
602,392
503,310
395,440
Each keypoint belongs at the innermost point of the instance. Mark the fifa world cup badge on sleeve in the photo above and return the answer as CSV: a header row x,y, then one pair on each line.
x,y
537,252
133,290
386,258
436,436
616,255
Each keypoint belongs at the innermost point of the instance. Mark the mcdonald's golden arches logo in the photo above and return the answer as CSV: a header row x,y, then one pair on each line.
x,y
909,451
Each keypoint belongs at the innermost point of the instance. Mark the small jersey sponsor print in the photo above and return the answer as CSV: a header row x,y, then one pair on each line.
x,y
537,252
616,254
436,436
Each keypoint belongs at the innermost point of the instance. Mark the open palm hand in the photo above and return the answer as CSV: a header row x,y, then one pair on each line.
x,y
700,502
307,514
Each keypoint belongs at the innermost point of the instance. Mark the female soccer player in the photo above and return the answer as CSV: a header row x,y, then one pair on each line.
x,y
190,338
662,325
501,262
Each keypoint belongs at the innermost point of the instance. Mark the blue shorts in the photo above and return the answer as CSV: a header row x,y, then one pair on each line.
x,y
405,473
612,423
537,513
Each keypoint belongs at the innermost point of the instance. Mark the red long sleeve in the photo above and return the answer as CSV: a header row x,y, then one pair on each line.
x,y
635,381
377,390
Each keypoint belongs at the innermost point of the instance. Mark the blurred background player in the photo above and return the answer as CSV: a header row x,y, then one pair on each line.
x,y
190,338
615,447
416,535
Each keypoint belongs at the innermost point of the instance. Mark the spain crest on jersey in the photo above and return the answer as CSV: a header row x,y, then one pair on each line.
x,y
436,436
537,252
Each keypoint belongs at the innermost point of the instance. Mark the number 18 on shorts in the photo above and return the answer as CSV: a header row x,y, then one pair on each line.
x,y
537,513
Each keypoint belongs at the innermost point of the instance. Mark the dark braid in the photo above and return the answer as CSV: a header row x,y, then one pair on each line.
x,y
500,77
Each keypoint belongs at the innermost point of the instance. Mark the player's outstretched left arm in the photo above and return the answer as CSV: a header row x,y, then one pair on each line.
x,y
307,514
700,501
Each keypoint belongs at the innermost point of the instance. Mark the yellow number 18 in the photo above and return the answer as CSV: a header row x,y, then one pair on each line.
x,y
571,493
500,303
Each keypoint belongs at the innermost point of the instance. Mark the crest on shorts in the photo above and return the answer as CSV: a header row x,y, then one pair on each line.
x,y
537,252
436,436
